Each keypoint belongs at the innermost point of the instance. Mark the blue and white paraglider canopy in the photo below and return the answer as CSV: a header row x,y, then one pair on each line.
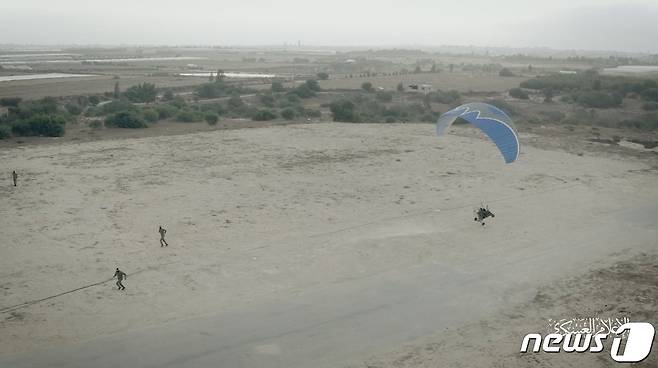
x,y
493,121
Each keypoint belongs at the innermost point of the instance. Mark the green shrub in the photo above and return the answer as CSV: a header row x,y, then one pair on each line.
x,y
344,111
94,100
303,91
144,92
40,125
267,100
288,114
650,94
73,108
150,115
168,95
117,106
264,115
178,102
96,124
235,102
126,119
313,85
322,76
647,122
518,93
367,86
383,96
10,101
507,108
5,132
211,118
189,116
444,97
650,106
216,107
166,111
598,99
506,73
277,86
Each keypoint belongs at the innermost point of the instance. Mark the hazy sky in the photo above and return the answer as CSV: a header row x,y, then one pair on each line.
x,y
563,24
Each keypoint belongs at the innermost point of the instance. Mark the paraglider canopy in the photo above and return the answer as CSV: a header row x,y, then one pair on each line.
x,y
494,122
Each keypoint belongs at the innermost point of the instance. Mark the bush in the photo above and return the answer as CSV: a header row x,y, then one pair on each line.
x,y
277,87
288,114
344,110
10,101
73,109
212,118
45,106
518,93
444,97
143,92
126,119
5,132
650,94
189,116
507,108
384,96
313,85
217,108
648,122
322,76
211,90
506,73
267,100
367,86
168,95
598,99
263,115
235,102
150,115
94,100
650,106
303,91
40,125
166,111
178,102
117,106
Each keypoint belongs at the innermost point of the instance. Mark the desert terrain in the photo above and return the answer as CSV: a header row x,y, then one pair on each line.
x,y
318,244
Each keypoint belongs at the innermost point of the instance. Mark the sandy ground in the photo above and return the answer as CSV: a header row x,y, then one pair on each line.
x,y
625,289
275,212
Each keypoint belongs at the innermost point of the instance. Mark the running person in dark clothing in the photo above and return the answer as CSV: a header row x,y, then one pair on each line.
x,y
120,275
163,242
14,176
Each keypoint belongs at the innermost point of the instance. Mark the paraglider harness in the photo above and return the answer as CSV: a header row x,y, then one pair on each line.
x,y
482,213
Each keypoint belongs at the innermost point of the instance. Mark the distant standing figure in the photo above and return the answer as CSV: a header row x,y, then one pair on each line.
x,y
14,176
163,242
120,275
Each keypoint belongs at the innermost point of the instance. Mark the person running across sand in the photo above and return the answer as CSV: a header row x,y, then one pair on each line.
x,y
163,242
120,275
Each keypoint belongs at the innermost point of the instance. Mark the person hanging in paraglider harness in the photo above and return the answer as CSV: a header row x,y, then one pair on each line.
x,y
482,213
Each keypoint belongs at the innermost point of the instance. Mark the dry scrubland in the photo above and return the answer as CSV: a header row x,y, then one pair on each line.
x,y
34,89
462,82
272,214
